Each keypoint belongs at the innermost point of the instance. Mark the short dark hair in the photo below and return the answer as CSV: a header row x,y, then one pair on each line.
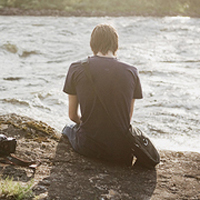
x,y
104,38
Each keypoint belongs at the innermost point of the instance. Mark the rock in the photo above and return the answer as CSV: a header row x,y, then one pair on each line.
x,y
3,126
64,174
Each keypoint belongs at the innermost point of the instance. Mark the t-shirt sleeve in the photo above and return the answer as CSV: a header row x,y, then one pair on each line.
x,y
138,88
69,86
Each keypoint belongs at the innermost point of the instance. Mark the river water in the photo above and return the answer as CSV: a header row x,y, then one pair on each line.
x,y
35,53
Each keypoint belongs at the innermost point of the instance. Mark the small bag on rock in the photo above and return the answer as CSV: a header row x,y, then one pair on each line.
x,y
8,147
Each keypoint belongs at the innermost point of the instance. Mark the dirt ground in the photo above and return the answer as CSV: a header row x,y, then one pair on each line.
x,y
66,175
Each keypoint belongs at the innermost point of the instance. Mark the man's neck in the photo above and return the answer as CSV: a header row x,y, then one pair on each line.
x,y
108,55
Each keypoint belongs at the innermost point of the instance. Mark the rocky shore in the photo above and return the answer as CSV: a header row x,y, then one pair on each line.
x,y
65,175
32,12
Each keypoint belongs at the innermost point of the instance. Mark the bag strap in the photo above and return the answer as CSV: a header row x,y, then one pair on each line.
x,y
85,64
13,160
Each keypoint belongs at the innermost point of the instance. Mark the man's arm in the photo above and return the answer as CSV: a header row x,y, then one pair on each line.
x,y
132,108
73,109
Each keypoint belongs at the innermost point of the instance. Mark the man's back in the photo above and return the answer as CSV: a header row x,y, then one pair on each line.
x,y
117,84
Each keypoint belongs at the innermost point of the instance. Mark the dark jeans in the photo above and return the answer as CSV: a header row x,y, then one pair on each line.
x,y
77,142
70,133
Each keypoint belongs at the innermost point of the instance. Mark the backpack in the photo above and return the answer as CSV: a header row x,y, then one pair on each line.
x,y
142,148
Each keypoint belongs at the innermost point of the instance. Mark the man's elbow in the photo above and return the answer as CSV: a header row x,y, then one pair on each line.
x,y
72,116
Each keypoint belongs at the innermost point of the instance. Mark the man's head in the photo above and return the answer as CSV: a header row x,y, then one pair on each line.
x,y
104,38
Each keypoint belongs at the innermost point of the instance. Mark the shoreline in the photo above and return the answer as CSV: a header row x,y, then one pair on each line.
x,y
81,13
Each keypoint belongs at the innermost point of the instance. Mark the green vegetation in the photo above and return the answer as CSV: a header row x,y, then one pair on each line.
x,y
14,190
111,7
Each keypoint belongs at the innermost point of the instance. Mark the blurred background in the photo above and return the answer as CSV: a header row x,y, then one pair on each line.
x,y
108,7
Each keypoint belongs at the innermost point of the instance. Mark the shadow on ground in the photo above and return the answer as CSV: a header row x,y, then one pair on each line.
x,y
76,177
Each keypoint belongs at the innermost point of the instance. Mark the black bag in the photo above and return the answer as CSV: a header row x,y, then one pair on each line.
x,y
7,147
143,149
